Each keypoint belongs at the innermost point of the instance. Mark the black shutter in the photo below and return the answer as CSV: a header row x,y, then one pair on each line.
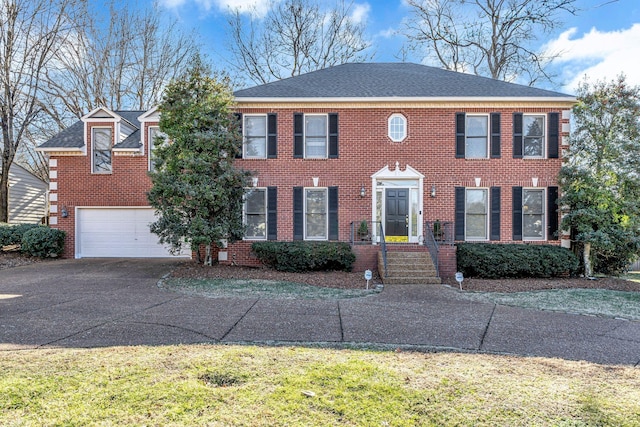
x,y
517,213
460,136
239,119
517,135
494,233
272,136
333,135
298,135
553,135
272,213
333,213
298,213
459,213
552,213
495,135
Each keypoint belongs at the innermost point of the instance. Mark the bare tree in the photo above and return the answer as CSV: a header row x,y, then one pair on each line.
x,y
30,33
494,38
296,37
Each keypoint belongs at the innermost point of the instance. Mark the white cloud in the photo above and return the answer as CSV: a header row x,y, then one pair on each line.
x,y
360,12
254,7
597,55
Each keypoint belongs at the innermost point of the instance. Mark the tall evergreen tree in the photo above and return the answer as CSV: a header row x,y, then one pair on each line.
x,y
600,180
197,191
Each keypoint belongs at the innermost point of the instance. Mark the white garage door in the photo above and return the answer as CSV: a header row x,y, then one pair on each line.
x,y
118,232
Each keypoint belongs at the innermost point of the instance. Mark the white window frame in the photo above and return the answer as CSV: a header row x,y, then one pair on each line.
x,y
487,136
486,214
93,142
266,213
390,127
543,214
326,136
326,214
244,135
151,144
544,136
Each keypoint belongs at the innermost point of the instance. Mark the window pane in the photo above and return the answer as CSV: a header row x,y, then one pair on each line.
x,y
102,139
315,126
101,161
476,148
476,227
532,201
533,136
101,142
477,126
316,202
476,201
533,147
397,128
255,202
532,226
532,214
255,140
533,125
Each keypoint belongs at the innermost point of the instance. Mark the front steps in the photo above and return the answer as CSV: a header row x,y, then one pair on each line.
x,y
408,268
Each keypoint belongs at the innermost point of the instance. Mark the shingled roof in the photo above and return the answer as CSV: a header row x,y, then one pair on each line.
x,y
392,80
73,136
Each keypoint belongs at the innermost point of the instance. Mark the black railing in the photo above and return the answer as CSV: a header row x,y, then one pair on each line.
x,y
383,247
436,234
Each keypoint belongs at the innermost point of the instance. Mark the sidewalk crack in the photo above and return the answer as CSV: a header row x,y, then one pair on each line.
x,y
239,320
486,328
340,320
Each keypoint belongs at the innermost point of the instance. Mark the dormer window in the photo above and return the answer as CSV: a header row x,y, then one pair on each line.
x,y
101,143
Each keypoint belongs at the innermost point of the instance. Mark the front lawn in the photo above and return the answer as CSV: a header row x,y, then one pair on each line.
x,y
261,386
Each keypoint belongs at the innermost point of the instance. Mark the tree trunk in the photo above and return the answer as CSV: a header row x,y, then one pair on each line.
x,y
4,192
586,253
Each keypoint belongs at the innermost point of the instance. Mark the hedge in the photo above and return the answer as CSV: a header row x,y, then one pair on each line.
x,y
499,261
43,242
12,234
305,256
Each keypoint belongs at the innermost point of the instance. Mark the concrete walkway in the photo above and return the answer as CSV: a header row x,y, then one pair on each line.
x,y
115,302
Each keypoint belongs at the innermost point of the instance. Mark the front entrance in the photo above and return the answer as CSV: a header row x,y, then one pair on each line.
x,y
397,214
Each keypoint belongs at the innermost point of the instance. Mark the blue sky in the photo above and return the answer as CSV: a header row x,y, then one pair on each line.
x,y
600,42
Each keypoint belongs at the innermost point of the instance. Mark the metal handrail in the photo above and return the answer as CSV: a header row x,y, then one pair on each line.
x,y
383,248
432,246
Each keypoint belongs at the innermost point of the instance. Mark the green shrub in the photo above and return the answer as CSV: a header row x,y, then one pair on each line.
x,y
499,261
12,234
43,242
305,256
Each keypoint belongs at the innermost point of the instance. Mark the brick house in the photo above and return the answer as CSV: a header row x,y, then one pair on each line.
x,y
407,148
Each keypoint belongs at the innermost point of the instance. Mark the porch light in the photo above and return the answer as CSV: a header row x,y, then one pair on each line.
x,y
363,191
433,190
64,212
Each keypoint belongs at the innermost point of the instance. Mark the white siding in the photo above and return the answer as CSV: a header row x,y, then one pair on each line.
x,y
27,196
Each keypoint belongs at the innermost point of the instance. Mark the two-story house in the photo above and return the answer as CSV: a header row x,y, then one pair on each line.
x,y
400,146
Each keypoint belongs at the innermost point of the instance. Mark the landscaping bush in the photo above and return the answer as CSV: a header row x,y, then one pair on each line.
x,y
43,242
299,257
12,234
499,261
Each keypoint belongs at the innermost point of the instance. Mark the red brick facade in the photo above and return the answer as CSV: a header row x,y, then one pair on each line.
x,y
364,148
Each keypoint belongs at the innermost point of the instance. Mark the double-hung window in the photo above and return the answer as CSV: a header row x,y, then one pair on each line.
x,y
315,136
533,135
101,143
255,214
255,136
154,132
476,214
533,214
315,214
477,136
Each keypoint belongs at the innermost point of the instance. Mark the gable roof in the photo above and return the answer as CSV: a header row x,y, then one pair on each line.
x,y
392,80
73,136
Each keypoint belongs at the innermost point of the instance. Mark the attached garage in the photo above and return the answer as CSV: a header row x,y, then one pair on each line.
x,y
118,233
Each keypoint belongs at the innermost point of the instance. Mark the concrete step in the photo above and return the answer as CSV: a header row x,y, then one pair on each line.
x,y
408,268
411,281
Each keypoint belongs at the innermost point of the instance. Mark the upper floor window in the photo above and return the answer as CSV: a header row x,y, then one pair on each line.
x,y
153,133
255,136
534,136
397,127
476,137
255,213
315,136
101,143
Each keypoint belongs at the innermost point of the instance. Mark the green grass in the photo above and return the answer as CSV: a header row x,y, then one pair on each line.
x,y
599,302
254,288
259,386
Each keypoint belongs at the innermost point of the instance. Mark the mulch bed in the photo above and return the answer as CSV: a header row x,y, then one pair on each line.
x,y
344,280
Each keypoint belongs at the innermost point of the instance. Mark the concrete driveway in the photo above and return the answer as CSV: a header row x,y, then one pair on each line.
x,y
115,302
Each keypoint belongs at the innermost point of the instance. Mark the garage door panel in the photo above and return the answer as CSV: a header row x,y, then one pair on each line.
x,y
108,232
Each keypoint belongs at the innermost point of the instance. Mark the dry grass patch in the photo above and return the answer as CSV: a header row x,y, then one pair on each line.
x,y
260,386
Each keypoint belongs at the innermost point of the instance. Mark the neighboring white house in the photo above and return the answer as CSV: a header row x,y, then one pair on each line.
x,y
27,196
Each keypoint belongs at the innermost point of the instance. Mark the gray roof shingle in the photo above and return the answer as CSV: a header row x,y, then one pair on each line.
x,y
389,80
